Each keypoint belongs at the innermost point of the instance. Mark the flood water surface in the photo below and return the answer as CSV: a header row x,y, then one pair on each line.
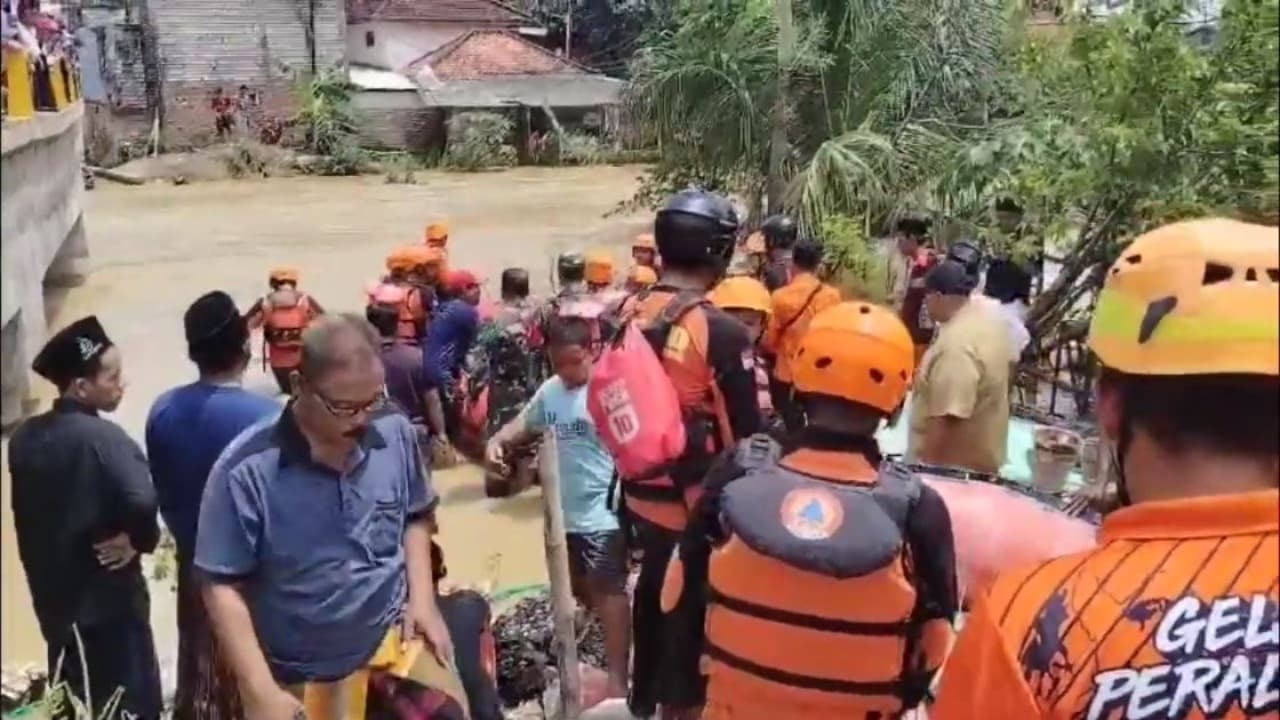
x,y
155,248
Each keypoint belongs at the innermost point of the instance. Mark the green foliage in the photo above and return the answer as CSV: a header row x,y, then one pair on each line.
x,y
578,148
327,123
400,169
853,260
877,94
1125,125
479,140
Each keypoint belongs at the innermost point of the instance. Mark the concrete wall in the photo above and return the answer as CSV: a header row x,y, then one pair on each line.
x,y
261,44
43,235
397,120
396,44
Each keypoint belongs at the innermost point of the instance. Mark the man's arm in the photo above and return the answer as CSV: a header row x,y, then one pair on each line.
x,y
953,381
255,315
732,361
524,427
983,678
315,306
126,469
934,557
227,553
233,626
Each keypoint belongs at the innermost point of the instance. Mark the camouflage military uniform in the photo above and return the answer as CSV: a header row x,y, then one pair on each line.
x,y
501,361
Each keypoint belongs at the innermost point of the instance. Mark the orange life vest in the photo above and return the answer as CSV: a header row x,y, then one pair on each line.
x,y
662,499
811,600
286,313
410,307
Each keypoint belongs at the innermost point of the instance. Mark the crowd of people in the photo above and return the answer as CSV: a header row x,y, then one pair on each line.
x,y
779,572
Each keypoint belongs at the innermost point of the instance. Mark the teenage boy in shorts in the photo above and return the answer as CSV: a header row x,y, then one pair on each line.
x,y
597,546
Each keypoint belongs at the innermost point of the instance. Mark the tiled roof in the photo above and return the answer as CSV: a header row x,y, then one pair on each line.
x,y
475,12
481,54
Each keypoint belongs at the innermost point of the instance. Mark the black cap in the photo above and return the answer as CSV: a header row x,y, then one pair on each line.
x,y
74,352
214,317
949,278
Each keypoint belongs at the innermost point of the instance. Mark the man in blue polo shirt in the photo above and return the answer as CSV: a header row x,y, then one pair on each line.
x,y
315,530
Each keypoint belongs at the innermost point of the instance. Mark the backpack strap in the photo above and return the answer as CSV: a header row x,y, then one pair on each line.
x,y
809,301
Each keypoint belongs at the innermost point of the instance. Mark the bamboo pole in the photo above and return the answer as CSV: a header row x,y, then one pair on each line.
x,y
563,607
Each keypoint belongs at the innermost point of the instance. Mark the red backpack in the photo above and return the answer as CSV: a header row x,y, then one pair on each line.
x,y
631,399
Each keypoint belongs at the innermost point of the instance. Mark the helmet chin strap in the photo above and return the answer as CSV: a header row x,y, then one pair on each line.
x,y
1118,453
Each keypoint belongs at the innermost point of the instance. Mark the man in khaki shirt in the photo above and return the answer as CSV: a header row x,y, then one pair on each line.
x,y
960,404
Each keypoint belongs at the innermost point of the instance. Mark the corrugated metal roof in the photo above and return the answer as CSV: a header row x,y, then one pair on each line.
x,y
474,12
367,78
576,90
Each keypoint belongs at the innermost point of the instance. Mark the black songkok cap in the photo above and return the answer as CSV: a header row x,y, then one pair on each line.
x,y
950,278
74,352
214,319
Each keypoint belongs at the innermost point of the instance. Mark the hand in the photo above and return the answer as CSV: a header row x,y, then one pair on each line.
x,y
423,620
273,703
496,455
115,552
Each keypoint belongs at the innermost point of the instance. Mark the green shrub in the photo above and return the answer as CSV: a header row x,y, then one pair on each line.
x,y
581,149
479,140
854,261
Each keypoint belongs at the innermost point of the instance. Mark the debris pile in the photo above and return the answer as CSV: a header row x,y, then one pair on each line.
x,y
526,654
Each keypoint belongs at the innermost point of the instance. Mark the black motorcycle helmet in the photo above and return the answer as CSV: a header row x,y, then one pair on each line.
x,y
966,253
571,267
779,232
697,228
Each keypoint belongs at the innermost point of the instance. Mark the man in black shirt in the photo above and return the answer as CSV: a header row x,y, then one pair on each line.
x,y
84,508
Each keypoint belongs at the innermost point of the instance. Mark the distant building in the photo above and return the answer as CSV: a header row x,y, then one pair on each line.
x,y
390,34
494,70
169,57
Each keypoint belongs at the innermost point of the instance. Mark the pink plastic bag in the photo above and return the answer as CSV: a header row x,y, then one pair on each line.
x,y
635,407
998,529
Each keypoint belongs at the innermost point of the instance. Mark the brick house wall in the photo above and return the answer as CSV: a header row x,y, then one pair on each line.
x,y
259,44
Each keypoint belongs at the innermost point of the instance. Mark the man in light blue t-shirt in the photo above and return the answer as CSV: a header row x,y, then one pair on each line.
x,y
597,546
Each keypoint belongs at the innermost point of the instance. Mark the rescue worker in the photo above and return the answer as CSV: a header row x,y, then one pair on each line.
x,y
406,273
571,271
503,364
710,360
1174,613
283,314
639,278
599,271
644,252
437,236
906,270
831,593
747,300
794,305
779,238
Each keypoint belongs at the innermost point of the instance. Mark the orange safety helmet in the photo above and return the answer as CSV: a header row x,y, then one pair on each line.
x,y
856,351
642,276
283,275
1200,297
398,260
645,241
741,293
438,233
420,256
755,244
599,267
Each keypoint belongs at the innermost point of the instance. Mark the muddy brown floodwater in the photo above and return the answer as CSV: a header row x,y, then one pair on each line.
x,y
156,248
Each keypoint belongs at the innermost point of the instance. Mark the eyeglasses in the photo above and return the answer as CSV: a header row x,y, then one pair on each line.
x,y
345,410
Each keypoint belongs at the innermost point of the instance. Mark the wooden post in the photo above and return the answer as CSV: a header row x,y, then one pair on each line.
x,y
563,607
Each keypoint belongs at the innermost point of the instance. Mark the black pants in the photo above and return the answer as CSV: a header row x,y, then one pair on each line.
x,y
784,403
667,646
466,614
282,379
119,653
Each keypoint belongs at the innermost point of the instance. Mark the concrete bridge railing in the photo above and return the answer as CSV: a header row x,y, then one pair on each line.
x,y
41,234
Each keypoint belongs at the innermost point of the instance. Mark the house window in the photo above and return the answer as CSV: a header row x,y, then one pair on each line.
x,y
368,38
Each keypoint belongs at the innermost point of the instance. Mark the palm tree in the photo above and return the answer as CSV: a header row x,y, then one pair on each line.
x,y
876,91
